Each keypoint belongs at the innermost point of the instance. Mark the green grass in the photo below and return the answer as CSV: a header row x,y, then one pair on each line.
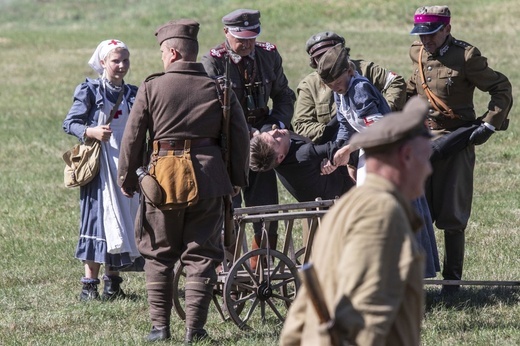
x,y
44,49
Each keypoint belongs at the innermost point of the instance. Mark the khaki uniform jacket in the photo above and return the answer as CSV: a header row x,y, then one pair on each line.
x,y
370,269
315,106
182,103
270,72
453,73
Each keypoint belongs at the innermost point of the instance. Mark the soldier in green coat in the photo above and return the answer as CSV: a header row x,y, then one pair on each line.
x,y
315,110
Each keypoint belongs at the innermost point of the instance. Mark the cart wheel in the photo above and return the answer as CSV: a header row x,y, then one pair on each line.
x,y
270,288
179,281
299,256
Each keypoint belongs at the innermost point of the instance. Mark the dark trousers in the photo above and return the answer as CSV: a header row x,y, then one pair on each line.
x,y
449,191
192,235
262,190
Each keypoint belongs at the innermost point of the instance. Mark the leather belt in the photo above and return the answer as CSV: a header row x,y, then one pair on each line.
x,y
445,123
178,144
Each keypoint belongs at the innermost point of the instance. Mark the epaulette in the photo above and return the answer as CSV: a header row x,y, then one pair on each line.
x,y
416,43
266,46
152,76
218,52
461,43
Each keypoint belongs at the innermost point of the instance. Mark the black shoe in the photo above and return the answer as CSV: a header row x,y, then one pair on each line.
x,y
89,291
159,334
194,335
112,289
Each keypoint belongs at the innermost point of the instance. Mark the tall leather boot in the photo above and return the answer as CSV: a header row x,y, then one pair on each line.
x,y
112,288
198,293
454,243
257,239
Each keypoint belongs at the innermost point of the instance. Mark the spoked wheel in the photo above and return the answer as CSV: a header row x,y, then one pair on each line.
x,y
269,288
299,256
179,281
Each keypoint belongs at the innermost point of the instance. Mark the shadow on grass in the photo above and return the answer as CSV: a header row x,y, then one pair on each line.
x,y
474,297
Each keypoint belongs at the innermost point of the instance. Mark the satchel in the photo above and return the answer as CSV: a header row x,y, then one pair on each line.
x,y
82,160
81,163
176,176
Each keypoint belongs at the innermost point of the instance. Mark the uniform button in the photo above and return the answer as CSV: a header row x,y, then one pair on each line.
x,y
430,111
429,79
429,68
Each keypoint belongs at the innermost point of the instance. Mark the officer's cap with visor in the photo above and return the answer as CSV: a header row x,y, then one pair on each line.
x,y
430,19
243,23
321,42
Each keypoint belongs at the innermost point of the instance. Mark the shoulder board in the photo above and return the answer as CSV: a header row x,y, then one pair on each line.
x,y
461,43
266,46
218,52
416,43
152,76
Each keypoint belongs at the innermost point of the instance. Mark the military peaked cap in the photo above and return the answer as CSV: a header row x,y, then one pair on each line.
x,y
430,19
243,23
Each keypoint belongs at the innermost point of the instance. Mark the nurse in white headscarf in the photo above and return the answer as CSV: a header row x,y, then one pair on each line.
x,y
107,217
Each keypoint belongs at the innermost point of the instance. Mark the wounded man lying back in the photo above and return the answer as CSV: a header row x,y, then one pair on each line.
x,y
298,164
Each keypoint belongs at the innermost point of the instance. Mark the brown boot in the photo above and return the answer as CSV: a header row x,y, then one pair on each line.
x,y
199,292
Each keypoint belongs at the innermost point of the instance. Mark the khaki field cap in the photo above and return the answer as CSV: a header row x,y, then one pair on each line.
x,y
321,42
333,63
394,127
181,28
430,19
243,23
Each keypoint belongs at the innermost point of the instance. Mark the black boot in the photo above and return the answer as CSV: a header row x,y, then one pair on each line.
x,y
454,241
112,289
159,334
194,335
89,290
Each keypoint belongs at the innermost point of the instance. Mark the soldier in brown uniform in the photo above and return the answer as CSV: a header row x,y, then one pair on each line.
x,y
446,72
315,109
257,76
178,108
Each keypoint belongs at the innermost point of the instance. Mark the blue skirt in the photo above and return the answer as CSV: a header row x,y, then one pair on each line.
x,y
92,245
426,237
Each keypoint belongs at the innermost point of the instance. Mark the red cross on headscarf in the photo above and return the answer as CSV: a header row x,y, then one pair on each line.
x,y
114,42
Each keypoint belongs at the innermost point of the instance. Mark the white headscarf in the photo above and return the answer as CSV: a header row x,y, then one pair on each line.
x,y
101,53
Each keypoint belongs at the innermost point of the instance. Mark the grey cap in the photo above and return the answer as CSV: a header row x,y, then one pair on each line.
x,y
333,63
430,19
319,43
243,23
181,28
394,127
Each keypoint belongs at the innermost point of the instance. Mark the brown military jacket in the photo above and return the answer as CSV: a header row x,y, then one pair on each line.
x,y
370,269
182,103
269,72
453,73
315,106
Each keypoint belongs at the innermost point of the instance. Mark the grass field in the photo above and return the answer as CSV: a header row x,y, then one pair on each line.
x,y
44,49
